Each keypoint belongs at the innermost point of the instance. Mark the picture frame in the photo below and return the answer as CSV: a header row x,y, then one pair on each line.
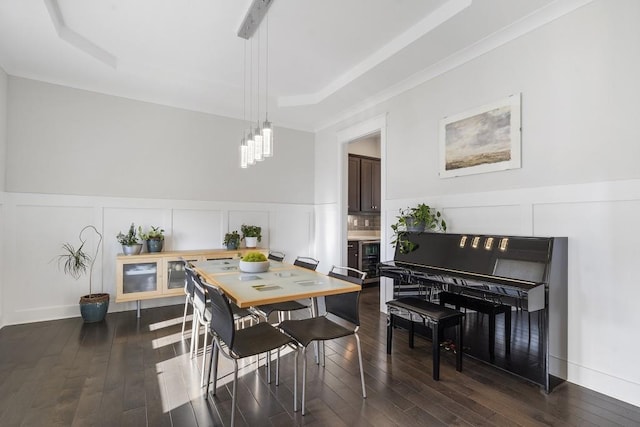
x,y
483,139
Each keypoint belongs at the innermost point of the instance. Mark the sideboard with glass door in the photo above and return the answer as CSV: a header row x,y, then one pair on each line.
x,y
161,274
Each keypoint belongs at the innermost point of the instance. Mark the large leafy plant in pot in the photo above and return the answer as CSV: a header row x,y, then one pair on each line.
x,y
76,262
415,219
251,234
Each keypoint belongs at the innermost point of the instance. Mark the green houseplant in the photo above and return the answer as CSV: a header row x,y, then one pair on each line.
x,y
75,262
154,238
231,240
415,219
251,234
130,242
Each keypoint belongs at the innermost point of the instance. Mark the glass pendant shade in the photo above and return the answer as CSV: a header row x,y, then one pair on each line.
x,y
243,154
258,145
267,139
251,156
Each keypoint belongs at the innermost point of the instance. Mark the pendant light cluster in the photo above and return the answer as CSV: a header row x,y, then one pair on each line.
x,y
256,143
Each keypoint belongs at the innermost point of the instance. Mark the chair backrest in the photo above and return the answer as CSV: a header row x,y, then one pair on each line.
x,y
199,294
306,262
190,276
222,323
345,306
350,274
276,256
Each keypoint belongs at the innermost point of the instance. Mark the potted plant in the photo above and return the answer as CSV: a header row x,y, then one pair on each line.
x,y
231,240
416,219
254,262
75,262
153,237
130,243
251,234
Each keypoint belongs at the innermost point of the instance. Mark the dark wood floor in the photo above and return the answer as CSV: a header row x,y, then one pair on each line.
x,y
129,372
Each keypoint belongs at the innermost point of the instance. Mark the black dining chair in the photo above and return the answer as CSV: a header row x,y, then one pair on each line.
x,y
287,307
276,256
322,328
202,317
235,344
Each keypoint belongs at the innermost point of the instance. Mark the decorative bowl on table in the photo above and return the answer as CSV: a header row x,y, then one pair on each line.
x,y
254,267
254,262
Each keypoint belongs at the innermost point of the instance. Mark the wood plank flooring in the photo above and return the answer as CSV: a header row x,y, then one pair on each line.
x,y
137,372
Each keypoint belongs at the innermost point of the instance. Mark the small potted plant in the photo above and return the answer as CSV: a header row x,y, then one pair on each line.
x,y
130,242
154,238
231,240
416,219
75,262
254,262
251,234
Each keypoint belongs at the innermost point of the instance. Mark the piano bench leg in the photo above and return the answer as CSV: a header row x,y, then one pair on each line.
x,y
411,333
435,346
459,335
507,330
390,323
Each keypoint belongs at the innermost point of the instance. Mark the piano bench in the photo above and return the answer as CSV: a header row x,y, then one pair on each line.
x,y
436,317
486,307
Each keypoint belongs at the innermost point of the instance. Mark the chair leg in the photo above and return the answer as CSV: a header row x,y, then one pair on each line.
x,y
194,335
268,365
204,357
214,349
214,359
278,366
233,396
364,392
184,316
295,380
304,375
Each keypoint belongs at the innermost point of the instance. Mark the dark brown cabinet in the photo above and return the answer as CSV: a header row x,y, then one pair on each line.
x,y
364,185
354,184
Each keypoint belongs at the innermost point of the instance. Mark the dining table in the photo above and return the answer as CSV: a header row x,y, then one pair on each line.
x,y
282,282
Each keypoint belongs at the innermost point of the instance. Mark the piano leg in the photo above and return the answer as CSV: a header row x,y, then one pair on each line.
x,y
389,331
459,344
435,349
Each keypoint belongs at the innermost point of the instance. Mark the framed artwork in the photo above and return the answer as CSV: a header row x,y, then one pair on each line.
x,y
485,139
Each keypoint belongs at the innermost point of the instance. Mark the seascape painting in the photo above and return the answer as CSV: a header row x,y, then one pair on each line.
x,y
485,139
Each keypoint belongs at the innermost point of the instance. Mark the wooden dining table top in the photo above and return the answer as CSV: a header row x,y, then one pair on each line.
x,y
283,282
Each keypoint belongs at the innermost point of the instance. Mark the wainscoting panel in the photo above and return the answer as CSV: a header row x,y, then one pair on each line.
x,y
292,230
197,229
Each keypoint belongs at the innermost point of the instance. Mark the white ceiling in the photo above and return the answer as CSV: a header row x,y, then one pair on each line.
x,y
326,57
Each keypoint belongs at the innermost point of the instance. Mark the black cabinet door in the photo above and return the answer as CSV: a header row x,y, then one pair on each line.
x,y
369,185
353,257
354,185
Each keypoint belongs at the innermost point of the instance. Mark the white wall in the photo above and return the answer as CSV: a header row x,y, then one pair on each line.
x,y
3,147
37,225
369,146
579,175
69,141
76,157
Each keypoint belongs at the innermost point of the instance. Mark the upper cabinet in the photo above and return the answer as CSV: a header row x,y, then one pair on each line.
x,y
364,184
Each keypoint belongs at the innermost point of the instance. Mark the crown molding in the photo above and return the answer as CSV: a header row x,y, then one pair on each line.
x,y
519,28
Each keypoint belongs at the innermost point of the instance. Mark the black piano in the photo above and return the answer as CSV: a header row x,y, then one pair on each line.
x,y
524,277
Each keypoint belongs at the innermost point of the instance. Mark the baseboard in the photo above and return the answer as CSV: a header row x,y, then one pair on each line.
x,y
618,388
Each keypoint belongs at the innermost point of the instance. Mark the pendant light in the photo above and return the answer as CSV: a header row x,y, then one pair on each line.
x,y
267,131
258,143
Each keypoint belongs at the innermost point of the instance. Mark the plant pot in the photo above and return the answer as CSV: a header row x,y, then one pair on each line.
x,y
154,245
254,267
414,226
251,242
132,249
93,308
232,246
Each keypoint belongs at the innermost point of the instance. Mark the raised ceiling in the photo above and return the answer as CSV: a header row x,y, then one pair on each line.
x,y
326,58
